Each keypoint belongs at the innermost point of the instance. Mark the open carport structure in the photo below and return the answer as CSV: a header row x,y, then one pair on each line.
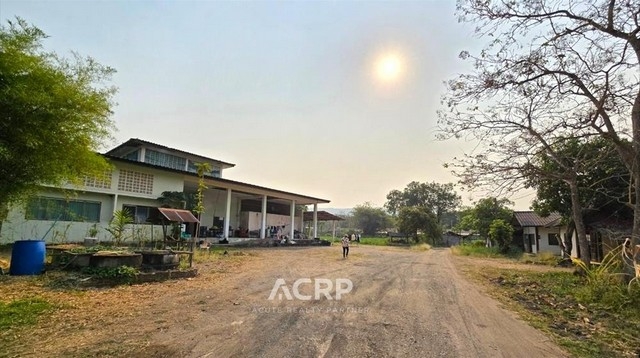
x,y
315,216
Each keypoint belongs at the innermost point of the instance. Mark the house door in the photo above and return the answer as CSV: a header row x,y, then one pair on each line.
x,y
595,244
528,242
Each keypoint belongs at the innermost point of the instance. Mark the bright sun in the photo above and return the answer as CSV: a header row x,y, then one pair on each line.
x,y
389,67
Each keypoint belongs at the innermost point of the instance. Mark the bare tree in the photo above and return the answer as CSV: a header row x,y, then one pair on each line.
x,y
553,70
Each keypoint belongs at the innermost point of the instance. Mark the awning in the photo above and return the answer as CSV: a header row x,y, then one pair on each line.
x,y
179,215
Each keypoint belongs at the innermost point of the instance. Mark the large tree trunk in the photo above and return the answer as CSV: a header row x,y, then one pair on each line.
x,y
576,208
567,240
634,166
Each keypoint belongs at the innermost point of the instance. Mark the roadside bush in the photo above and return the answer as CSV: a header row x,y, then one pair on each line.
x,y
421,247
604,284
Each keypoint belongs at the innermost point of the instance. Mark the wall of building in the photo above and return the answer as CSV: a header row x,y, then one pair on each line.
x,y
17,227
544,239
215,205
253,221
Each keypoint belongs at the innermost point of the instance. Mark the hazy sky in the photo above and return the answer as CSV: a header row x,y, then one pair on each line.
x,y
335,100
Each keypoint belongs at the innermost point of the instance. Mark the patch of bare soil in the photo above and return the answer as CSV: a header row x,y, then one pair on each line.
x,y
404,303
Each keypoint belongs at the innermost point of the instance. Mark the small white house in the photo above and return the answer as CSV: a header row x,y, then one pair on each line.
x,y
538,234
141,172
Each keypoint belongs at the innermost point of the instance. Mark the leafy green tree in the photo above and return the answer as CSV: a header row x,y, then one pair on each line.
x,y
414,220
436,197
484,212
369,219
602,183
501,232
54,114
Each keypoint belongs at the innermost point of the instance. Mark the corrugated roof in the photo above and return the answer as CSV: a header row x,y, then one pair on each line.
x,y
179,215
530,218
322,216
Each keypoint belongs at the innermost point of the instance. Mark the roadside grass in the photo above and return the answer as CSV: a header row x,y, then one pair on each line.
x,y
541,258
375,241
370,240
421,247
476,251
477,248
601,320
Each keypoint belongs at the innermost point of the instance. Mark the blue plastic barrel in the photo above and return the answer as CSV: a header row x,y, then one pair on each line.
x,y
27,257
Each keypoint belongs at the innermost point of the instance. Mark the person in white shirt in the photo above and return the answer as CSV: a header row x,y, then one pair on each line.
x,y
345,246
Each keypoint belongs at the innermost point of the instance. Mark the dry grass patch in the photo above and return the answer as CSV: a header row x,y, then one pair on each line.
x,y
560,303
116,321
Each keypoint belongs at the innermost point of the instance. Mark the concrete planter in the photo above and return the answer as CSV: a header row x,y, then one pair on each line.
x,y
160,259
111,260
76,260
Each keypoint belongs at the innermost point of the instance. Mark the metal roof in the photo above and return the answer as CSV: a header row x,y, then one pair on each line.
x,y
227,183
179,215
322,216
135,142
530,218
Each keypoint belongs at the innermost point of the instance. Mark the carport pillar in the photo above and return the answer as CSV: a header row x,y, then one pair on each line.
x,y
227,215
315,220
293,219
263,226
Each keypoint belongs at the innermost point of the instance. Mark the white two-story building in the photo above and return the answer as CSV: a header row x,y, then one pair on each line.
x,y
141,172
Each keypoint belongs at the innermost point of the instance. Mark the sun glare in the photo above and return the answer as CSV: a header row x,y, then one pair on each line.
x,y
389,68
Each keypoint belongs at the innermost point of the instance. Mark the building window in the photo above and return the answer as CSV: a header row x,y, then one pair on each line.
x,y
142,214
102,182
164,160
554,239
215,171
42,208
132,156
135,182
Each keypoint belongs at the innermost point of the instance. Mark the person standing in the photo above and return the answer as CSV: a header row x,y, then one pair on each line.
x,y
345,246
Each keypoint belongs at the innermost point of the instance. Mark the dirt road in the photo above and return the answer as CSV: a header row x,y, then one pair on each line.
x,y
403,304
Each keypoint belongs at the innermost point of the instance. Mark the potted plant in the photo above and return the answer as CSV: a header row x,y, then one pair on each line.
x,y
91,239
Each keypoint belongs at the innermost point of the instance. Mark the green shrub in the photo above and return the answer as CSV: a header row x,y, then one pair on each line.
x,y
604,284
121,272
477,243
